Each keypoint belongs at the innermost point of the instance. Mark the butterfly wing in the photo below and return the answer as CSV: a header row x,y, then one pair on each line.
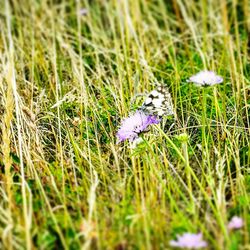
x,y
158,102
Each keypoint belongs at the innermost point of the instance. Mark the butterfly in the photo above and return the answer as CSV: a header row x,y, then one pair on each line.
x,y
158,102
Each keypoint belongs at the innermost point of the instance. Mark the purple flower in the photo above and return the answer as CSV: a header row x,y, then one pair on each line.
x,y
235,223
206,77
132,126
189,241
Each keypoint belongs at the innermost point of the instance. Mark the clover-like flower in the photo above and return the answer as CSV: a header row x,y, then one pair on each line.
x,y
235,223
135,124
189,241
206,78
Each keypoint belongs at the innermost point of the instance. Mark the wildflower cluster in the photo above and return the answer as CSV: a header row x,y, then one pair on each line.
x,y
195,241
140,121
157,104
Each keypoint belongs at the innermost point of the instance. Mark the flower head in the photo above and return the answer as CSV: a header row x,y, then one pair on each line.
x,y
206,78
132,126
235,223
83,12
189,241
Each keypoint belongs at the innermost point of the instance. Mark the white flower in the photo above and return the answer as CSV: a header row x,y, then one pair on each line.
x,y
83,12
206,78
235,223
189,241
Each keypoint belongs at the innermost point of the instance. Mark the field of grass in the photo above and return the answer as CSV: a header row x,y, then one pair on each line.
x,y
69,74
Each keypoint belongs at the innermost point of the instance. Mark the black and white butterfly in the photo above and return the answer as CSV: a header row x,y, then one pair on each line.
x,y
158,102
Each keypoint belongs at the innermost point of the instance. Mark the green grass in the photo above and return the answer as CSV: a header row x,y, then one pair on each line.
x,y
67,81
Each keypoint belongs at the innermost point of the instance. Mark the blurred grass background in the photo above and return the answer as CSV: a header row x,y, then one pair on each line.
x,y
68,73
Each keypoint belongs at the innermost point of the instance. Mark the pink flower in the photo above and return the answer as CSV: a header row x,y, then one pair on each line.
x,y
189,241
235,223
206,78
135,124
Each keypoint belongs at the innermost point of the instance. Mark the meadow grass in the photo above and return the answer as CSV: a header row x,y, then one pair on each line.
x,y
67,79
